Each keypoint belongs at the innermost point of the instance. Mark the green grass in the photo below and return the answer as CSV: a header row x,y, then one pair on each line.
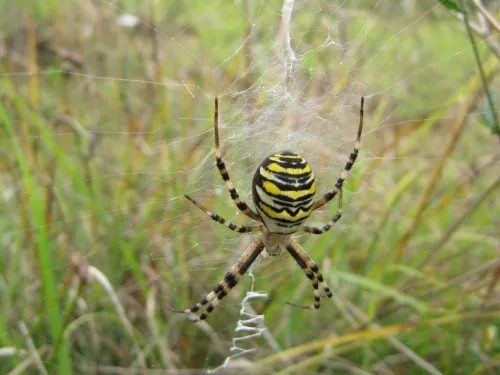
x,y
97,237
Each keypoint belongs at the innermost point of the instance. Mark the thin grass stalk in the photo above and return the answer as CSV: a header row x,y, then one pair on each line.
x,y
31,348
411,354
491,19
433,180
32,54
316,360
101,279
454,226
44,250
481,70
370,335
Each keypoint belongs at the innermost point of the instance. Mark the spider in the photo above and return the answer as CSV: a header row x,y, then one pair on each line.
x,y
283,191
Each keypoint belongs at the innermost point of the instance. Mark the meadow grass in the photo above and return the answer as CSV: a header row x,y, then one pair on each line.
x,y
106,128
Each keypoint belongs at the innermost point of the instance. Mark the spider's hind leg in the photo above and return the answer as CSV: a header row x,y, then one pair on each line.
x,y
310,275
312,272
230,280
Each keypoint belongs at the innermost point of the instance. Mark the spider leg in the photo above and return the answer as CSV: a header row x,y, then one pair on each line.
x,y
352,158
311,270
231,278
242,206
328,225
219,219
310,275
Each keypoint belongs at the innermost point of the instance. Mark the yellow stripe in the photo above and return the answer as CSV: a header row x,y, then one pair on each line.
x,y
271,176
288,156
280,159
285,215
264,173
273,167
271,188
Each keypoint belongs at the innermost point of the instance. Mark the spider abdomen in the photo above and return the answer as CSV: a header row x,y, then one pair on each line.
x,y
283,191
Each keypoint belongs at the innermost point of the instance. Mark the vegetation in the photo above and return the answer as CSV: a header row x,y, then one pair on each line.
x,y
106,121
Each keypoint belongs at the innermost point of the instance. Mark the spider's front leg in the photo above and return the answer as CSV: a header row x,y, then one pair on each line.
x,y
328,225
242,206
222,289
220,219
352,158
312,272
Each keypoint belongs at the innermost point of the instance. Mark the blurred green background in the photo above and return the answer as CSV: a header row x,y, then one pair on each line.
x,y
106,111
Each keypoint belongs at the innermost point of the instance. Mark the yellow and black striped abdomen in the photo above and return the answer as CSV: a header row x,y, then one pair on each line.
x,y
283,191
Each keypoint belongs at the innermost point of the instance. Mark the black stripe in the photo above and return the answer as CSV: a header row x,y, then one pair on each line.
x,y
286,178
289,180
221,294
218,288
296,256
230,279
242,206
244,267
287,186
286,163
288,199
352,159
329,196
292,205
299,175
290,212
285,221
223,171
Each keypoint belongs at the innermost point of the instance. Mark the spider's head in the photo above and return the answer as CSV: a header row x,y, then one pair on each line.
x,y
283,191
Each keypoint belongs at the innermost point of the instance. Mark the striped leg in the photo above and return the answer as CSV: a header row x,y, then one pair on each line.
x,y
214,216
224,287
352,158
242,206
307,264
328,225
310,275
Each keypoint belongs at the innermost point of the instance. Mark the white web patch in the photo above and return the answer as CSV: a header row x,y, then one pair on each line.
x,y
249,327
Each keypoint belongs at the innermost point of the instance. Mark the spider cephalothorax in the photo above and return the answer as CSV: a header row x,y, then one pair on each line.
x,y
283,190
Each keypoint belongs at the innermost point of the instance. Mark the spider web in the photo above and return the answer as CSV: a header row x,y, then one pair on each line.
x,y
281,99
249,327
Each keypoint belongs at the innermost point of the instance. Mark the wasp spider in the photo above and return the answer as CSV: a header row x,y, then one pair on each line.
x,y
283,191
